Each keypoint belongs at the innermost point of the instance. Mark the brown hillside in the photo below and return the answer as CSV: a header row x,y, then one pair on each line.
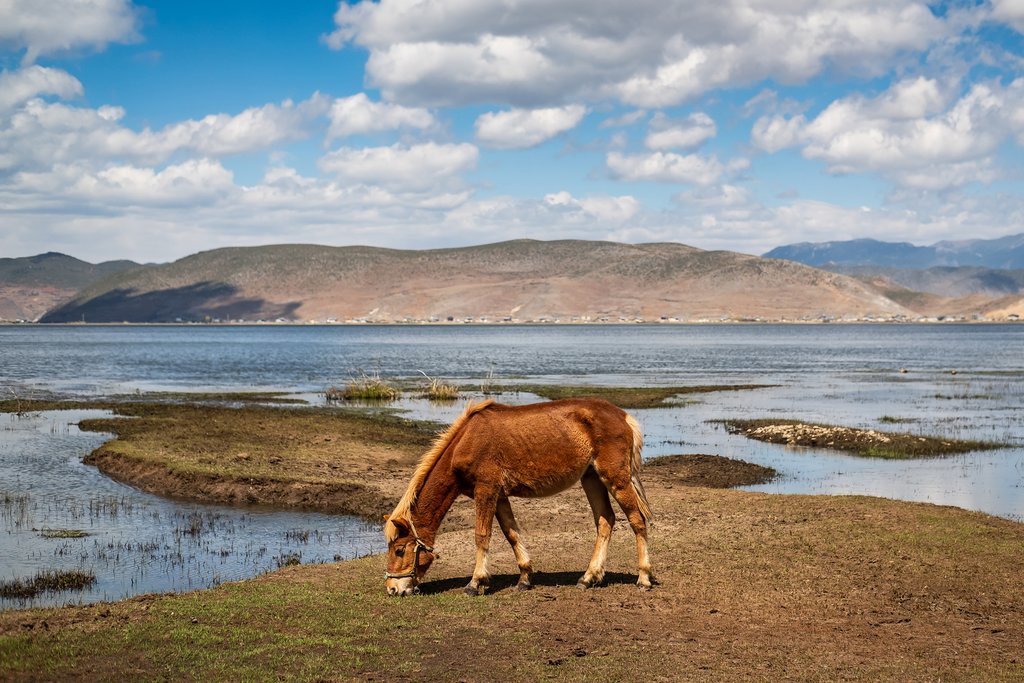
x,y
521,279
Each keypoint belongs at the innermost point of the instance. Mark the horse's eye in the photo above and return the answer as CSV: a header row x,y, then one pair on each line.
x,y
399,552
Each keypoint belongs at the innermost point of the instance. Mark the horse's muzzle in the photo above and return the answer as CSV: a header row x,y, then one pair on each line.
x,y
402,587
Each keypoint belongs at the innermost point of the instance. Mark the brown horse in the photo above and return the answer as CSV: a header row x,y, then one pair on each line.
x,y
494,451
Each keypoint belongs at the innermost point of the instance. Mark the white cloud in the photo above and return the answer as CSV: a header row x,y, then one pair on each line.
x,y
185,184
414,168
665,133
648,53
24,84
627,119
1010,12
357,115
605,209
664,167
40,134
911,133
773,133
522,128
52,26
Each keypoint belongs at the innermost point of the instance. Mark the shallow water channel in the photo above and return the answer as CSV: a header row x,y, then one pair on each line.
x,y
136,542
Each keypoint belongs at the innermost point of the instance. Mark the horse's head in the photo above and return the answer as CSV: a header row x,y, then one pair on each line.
x,y
409,557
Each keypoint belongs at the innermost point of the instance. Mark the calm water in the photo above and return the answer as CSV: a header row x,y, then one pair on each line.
x,y
136,542
842,374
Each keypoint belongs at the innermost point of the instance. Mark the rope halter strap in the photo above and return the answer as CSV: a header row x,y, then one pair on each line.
x,y
420,547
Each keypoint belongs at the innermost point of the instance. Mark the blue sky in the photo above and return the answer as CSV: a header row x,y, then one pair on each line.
x,y
152,130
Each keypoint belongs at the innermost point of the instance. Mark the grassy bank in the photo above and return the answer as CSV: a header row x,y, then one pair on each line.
x,y
752,586
631,398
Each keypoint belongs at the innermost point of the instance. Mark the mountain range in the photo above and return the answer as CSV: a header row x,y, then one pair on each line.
x,y
32,285
517,280
1002,253
521,280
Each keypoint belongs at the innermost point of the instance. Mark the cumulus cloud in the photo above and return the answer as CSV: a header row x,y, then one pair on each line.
x,y
911,133
648,53
606,209
22,85
665,167
410,168
358,114
44,28
522,128
42,133
665,133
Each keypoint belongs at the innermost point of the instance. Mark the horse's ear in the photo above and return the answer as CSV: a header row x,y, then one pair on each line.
x,y
401,525
387,517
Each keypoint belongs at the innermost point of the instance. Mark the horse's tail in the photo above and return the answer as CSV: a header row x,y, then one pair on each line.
x,y
635,464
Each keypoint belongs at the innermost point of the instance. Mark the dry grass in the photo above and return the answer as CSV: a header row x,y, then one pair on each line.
x,y
369,388
438,390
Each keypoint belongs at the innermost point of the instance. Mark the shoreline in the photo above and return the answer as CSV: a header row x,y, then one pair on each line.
x,y
457,323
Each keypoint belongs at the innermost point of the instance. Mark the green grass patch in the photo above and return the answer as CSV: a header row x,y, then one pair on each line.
x,y
631,398
863,442
271,397
894,420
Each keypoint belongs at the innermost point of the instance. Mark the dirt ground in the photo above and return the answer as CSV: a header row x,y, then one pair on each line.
x,y
752,587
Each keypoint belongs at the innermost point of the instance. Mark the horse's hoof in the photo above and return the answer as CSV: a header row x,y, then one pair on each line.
x,y
524,586
471,591
583,585
644,587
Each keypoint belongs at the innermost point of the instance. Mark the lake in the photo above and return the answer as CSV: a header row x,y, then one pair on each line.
x,y
960,380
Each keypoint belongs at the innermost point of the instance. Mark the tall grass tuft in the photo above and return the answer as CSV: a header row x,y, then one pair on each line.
x,y
490,385
437,390
363,388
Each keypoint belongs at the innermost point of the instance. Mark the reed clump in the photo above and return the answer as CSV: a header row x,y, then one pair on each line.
x,y
363,388
438,390
47,581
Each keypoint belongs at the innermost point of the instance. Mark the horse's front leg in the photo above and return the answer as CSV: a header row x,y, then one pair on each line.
x,y
507,521
486,505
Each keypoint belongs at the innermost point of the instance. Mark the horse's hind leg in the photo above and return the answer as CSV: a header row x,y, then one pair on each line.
x,y
604,520
507,522
620,483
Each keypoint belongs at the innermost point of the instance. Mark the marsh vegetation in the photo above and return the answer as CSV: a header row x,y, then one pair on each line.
x,y
868,443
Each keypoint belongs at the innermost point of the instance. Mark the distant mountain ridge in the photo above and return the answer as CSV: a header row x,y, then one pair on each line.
x,y
516,280
1001,253
31,285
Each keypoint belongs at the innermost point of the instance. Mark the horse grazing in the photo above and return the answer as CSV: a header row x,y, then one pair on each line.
x,y
494,451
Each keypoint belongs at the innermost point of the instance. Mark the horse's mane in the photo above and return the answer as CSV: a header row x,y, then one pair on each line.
x,y
403,510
